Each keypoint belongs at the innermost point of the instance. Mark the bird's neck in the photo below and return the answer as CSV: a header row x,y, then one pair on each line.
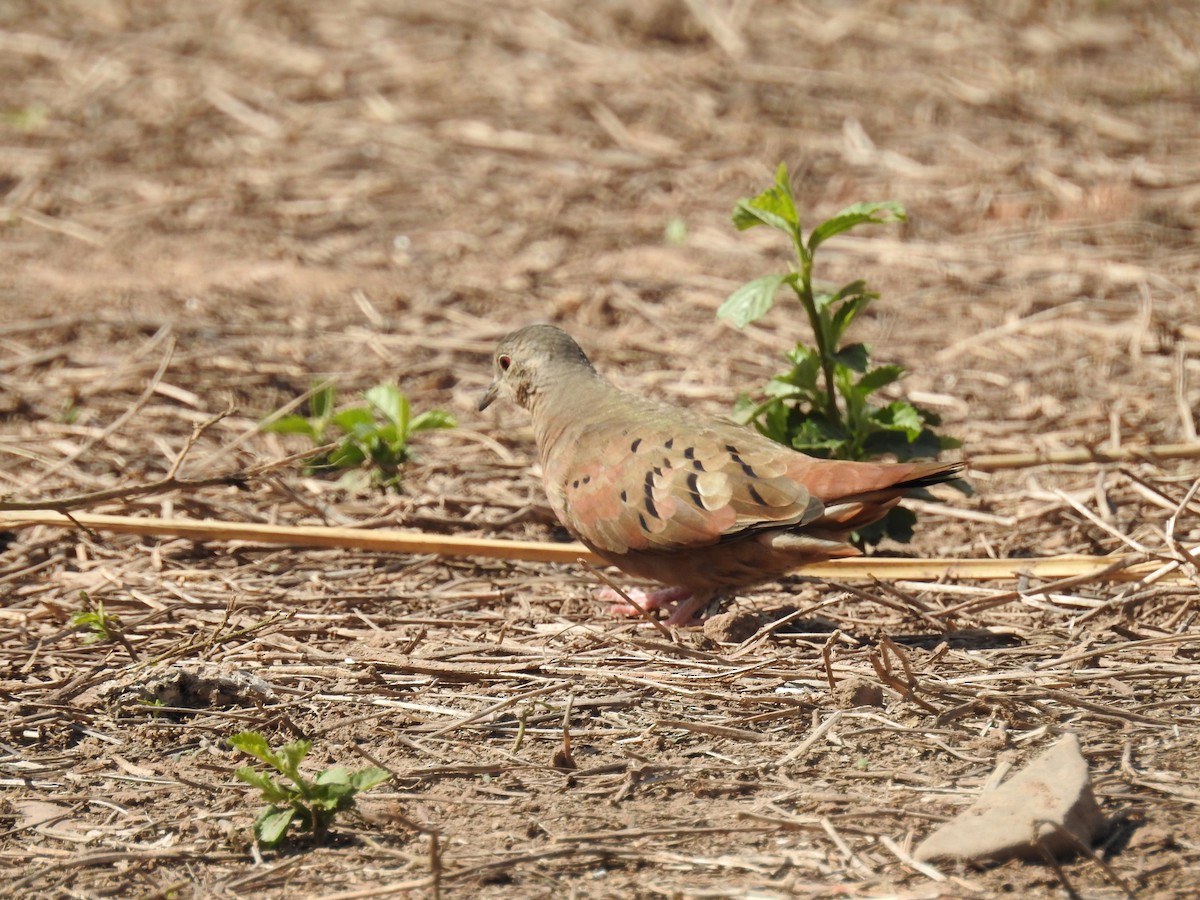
x,y
562,406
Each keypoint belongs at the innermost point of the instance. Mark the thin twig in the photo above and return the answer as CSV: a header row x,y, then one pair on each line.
x,y
907,859
1081,847
171,482
642,611
1080,455
801,749
197,431
827,657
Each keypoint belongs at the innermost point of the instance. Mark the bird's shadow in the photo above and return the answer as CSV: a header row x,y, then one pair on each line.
x,y
818,627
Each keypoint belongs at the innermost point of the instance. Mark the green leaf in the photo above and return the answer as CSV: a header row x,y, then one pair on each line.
x,y
781,387
744,409
348,455
290,757
900,415
272,790
852,356
752,300
775,422
365,779
255,778
821,301
255,745
880,377
392,403
334,775
434,418
815,433
388,436
775,207
897,525
853,300
854,289
321,401
332,797
855,215
294,425
272,824
357,421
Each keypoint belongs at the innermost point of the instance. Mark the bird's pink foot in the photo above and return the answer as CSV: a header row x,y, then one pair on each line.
x,y
684,604
688,610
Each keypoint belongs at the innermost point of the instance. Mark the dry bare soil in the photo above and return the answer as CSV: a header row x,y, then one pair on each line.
x,y
207,206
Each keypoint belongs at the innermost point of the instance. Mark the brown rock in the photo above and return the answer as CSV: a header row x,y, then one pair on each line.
x,y
1052,795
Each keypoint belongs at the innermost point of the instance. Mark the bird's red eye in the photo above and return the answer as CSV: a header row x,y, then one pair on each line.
x,y
505,362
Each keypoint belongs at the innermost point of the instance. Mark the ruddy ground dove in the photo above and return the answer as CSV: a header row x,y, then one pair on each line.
x,y
699,504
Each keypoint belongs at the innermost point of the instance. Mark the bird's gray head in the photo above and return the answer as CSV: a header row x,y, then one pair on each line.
x,y
530,359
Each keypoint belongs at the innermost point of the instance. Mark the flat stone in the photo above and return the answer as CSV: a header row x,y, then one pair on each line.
x,y
1012,820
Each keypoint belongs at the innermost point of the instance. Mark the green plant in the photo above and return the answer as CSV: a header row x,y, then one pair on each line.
x,y
26,118
98,624
822,404
312,805
69,414
374,441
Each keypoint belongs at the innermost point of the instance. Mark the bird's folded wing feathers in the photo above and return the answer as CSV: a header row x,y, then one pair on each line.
x,y
664,492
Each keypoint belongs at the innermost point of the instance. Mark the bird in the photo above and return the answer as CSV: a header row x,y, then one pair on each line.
x,y
699,504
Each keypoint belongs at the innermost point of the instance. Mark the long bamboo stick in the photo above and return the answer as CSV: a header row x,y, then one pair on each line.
x,y
1111,568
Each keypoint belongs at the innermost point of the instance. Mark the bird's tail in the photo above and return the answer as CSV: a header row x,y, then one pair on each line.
x,y
868,491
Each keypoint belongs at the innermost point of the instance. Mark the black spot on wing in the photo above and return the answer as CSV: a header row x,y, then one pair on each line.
x,y
755,495
637,442
733,454
694,490
670,443
648,490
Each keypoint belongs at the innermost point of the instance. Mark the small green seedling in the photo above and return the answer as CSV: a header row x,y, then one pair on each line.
x,y
312,805
374,441
97,624
822,404
26,118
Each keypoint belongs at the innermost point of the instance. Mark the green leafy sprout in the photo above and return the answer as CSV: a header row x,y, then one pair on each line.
x,y
98,624
822,404
374,437
312,805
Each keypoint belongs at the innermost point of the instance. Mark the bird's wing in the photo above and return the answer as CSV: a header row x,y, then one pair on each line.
x,y
675,487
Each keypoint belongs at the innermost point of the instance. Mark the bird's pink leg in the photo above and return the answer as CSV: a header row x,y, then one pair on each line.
x,y
683,603
688,610
649,602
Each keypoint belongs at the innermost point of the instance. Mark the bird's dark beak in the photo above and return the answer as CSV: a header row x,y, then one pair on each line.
x,y
489,395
